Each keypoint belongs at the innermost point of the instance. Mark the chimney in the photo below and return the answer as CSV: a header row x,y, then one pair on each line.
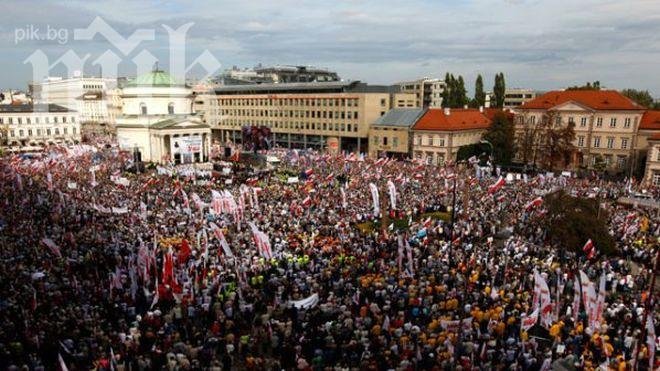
x,y
447,111
481,109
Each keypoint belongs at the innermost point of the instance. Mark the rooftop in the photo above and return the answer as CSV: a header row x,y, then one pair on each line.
x,y
594,99
437,119
155,78
28,108
303,87
400,117
650,120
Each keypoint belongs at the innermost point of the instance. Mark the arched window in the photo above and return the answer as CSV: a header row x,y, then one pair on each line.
x,y
170,108
143,108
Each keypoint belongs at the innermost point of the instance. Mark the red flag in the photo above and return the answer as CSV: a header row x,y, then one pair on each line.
x,y
168,269
589,249
184,252
307,201
309,171
496,187
534,203
330,177
236,156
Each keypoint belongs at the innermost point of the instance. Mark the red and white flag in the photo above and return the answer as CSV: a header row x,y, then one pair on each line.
x,y
307,201
496,186
589,249
534,203
309,171
52,246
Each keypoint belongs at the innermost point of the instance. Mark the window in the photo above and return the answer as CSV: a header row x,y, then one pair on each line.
x,y
57,131
613,122
626,123
29,121
38,132
624,143
11,120
376,139
170,108
29,132
73,130
418,139
580,141
64,119
143,109
610,142
13,134
382,102
596,142
583,122
441,142
599,122
384,141
532,120
20,133
395,142
570,120
65,131
558,120
54,119
620,161
430,142
656,179
20,120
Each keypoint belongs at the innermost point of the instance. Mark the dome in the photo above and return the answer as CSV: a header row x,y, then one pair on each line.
x,y
155,78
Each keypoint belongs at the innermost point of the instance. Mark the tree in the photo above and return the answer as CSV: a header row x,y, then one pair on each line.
x,y
446,92
499,90
588,86
501,135
641,97
557,142
479,94
571,221
461,93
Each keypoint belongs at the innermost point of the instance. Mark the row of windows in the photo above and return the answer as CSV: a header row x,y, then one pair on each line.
x,y
385,141
325,102
428,156
430,141
627,122
36,120
86,86
295,125
143,108
608,159
351,115
609,142
41,132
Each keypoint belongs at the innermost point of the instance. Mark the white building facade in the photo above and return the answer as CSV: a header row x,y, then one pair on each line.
x,y
27,125
158,121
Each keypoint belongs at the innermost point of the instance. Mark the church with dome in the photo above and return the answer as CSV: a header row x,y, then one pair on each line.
x,y
159,122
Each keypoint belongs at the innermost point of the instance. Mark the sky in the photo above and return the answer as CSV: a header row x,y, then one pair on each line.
x,y
539,44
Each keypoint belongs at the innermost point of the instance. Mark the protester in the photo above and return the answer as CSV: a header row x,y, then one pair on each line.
x,y
309,267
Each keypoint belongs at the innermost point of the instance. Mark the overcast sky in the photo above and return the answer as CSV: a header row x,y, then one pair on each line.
x,y
541,44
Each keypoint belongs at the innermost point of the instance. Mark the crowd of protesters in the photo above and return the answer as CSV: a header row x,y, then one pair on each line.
x,y
104,269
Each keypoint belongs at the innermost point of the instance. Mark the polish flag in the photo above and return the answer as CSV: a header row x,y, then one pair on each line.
x,y
309,172
451,176
380,161
307,201
427,222
236,156
330,177
496,187
589,249
534,203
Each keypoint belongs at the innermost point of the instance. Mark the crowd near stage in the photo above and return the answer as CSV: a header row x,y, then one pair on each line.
x,y
319,262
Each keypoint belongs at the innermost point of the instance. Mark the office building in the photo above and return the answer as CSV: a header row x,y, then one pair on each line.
x,y
427,91
320,115
517,96
648,145
86,95
276,75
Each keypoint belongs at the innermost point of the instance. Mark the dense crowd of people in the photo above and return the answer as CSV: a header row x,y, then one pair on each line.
x,y
328,262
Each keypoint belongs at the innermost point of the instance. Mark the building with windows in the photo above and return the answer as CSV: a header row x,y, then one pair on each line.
x,y
606,124
389,134
517,96
158,122
648,146
427,91
86,95
27,125
439,133
320,115
276,75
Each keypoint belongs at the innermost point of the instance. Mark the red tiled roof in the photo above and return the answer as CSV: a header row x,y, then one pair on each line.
x,y
655,136
490,113
594,99
650,121
458,119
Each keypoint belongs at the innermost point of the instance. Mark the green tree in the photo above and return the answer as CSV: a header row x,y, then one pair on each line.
x,y
557,142
641,97
588,86
501,135
479,94
446,92
498,90
571,221
461,93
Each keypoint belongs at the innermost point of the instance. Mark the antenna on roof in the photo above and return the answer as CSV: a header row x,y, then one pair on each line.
x,y
155,67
